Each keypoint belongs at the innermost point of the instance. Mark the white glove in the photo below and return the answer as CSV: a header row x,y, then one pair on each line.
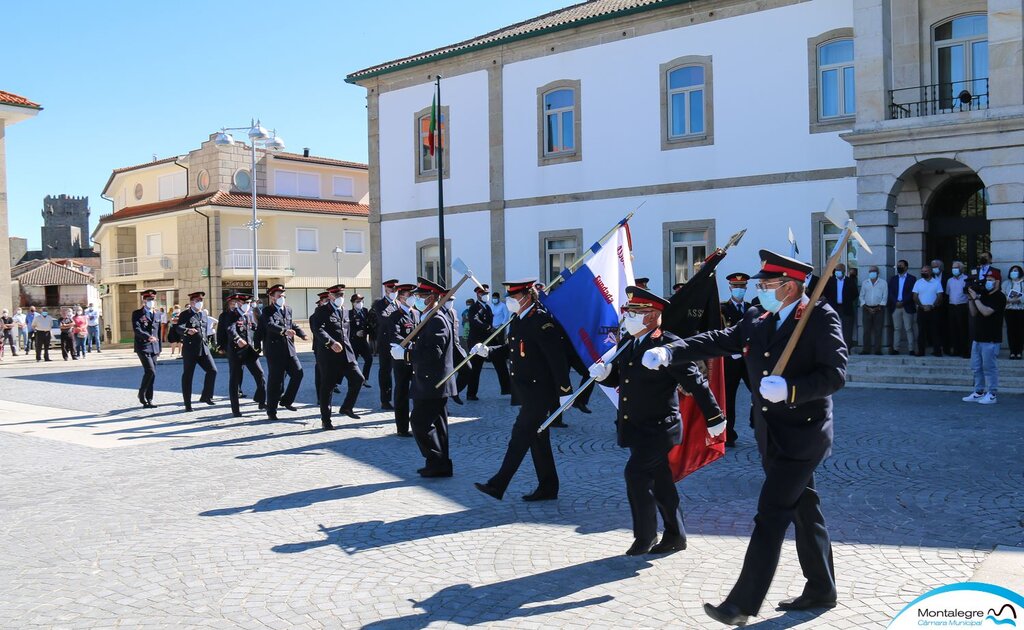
x,y
397,352
656,358
773,389
563,399
717,429
480,350
600,371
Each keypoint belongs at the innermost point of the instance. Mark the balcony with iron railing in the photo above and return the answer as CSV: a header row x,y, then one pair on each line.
x,y
139,268
238,262
938,98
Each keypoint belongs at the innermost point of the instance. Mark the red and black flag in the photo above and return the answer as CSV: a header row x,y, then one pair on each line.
x,y
694,309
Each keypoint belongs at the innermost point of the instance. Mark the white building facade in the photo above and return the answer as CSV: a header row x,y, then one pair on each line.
x,y
716,116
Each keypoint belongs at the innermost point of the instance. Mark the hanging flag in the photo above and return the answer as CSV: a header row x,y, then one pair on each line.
x,y
793,249
587,304
433,126
694,309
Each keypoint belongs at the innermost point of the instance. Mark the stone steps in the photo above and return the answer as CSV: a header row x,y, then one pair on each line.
x,y
945,373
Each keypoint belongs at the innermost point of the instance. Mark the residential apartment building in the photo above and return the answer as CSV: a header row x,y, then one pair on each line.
x,y
717,115
183,224
13,109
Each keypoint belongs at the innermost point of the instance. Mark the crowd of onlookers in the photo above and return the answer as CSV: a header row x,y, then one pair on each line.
x,y
76,328
958,312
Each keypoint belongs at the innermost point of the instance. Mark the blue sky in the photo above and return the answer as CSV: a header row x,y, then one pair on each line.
x,y
122,81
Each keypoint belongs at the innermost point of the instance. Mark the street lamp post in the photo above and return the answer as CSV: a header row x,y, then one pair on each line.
x,y
337,251
270,142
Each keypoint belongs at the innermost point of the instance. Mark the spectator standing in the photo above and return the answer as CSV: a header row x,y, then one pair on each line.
x,y
984,264
902,308
161,321
42,324
942,310
1013,288
958,336
93,329
22,329
928,297
841,294
464,325
499,309
211,329
7,326
874,295
31,315
67,341
81,332
987,310
173,321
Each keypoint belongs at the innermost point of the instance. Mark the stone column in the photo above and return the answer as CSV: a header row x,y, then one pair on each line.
x,y
1005,62
872,56
1006,220
373,138
496,161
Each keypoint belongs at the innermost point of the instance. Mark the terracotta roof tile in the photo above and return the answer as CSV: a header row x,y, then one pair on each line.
x,y
43,273
7,98
569,17
242,200
315,159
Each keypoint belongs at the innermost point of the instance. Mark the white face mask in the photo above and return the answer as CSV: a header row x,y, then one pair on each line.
x,y
150,304
512,304
634,323
339,301
358,305
244,308
392,295
279,302
198,306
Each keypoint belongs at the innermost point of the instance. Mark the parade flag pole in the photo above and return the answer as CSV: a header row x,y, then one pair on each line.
x,y
568,271
467,274
436,127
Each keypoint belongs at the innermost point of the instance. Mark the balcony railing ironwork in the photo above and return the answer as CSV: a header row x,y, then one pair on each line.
x,y
938,98
139,266
268,259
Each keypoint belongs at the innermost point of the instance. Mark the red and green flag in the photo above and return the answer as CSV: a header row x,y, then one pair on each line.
x,y
433,126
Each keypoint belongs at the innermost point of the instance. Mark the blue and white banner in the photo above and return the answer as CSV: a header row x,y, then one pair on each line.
x,y
588,302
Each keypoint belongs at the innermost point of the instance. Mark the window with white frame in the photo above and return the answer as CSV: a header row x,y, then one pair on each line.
x,y
430,261
343,186
154,245
559,122
559,253
961,59
687,248
353,240
836,95
306,240
828,238
296,184
686,101
173,185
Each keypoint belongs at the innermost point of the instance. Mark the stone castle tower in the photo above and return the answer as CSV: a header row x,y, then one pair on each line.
x,y
65,231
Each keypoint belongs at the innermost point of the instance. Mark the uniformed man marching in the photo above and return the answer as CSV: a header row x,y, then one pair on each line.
x,y
337,359
242,350
648,422
793,427
396,328
314,323
147,345
191,327
733,311
277,332
540,383
379,313
361,335
431,355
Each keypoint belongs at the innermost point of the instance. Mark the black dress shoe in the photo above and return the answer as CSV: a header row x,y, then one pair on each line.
x,y
326,426
349,413
237,414
261,406
149,404
583,408
807,602
290,407
188,407
337,391
207,401
541,495
489,490
403,433
457,400
386,406
730,443
439,471
472,398
559,424
894,352
669,543
641,547
272,417
726,613
366,385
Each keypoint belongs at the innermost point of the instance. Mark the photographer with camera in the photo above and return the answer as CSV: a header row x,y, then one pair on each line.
x,y
987,304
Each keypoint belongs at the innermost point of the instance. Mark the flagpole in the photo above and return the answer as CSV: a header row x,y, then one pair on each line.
x,y
442,263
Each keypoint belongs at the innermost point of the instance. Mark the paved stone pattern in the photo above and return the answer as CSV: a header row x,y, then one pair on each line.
x,y
240,523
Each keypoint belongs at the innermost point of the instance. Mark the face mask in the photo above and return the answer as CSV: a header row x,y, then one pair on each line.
x,y
419,304
150,304
956,271
1014,275
839,275
45,313
358,305
244,308
768,300
984,261
198,306
738,294
936,271
392,295
495,300
901,270
634,324
873,275
339,301
512,305
990,284
279,302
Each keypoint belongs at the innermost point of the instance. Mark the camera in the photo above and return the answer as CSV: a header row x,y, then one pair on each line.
x,y
976,283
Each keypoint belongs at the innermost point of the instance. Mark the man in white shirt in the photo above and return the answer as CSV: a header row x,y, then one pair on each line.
x,y
874,294
42,324
928,296
92,317
22,329
959,313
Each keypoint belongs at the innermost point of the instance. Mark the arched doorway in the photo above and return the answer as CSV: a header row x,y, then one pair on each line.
x,y
958,227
